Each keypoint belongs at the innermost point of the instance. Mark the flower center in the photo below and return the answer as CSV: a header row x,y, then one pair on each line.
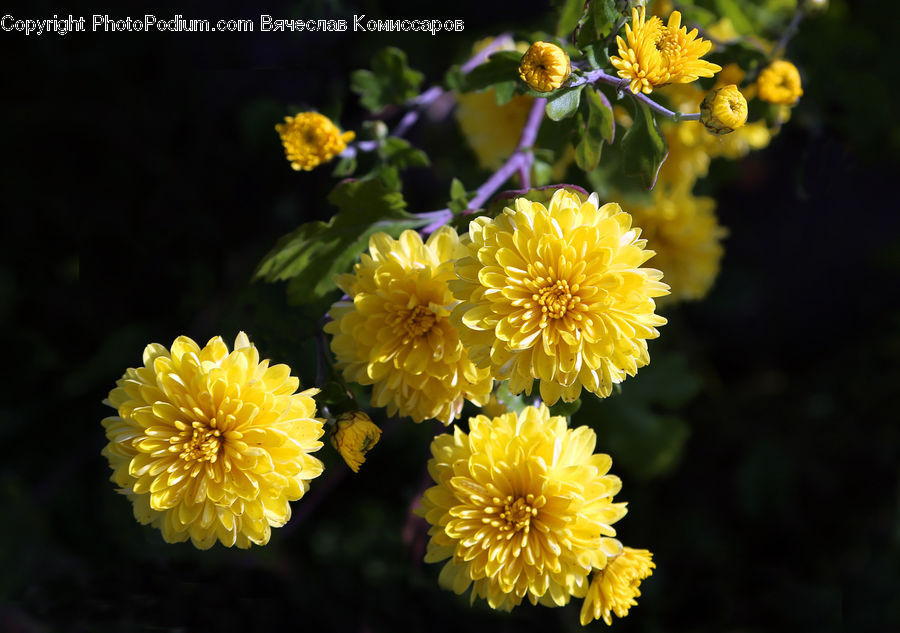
x,y
200,442
419,321
516,514
556,299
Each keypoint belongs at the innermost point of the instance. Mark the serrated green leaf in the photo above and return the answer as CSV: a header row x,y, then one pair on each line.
x,y
391,80
564,103
599,127
310,256
400,154
643,147
501,67
597,23
569,14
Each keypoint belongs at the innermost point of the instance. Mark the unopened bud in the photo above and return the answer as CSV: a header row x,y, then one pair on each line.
x,y
544,67
723,110
353,436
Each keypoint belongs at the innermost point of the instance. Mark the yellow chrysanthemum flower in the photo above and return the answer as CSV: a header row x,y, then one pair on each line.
x,y
723,110
522,507
653,54
557,294
544,67
614,588
780,83
395,332
683,50
311,139
683,231
640,60
355,435
211,445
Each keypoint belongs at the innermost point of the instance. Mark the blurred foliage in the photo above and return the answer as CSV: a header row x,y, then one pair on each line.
x,y
146,181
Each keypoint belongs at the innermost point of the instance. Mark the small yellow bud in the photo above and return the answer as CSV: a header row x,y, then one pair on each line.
x,y
723,110
544,67
780,83
353,436
311,139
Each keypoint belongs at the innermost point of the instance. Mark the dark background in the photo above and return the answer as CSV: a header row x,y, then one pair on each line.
x,y
143,181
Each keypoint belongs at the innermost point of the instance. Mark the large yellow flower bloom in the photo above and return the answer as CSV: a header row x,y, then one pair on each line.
x,y
395,332
614,588
211,445
522,507
654,54
311,139
683,230
558,294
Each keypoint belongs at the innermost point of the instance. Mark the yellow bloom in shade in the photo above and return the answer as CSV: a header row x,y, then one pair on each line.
x,y
544,67
394,332
683,230
492,131
723,110
311,139
557,294
355,435
211,445
654,54
522,507
780,83
614,588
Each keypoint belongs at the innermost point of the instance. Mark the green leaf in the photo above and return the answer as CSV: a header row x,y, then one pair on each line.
x,y
459,197
597,23
504,92
564,103
500,67
316,251
732,10
638,426
400,154
569,15
599,127
345,167
643,147
391,80
566,409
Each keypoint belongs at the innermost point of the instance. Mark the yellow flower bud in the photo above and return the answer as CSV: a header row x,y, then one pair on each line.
x,y
544,67
311,139
723,110
780,83
353,436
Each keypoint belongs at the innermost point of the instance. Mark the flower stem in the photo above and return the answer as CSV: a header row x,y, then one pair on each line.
x,y
621,85
789,32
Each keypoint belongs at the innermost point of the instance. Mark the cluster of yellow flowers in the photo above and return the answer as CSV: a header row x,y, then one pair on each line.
x,y
522,507
556,294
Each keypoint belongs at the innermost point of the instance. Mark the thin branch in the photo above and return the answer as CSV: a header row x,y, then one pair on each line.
x,y
789,32
621,85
